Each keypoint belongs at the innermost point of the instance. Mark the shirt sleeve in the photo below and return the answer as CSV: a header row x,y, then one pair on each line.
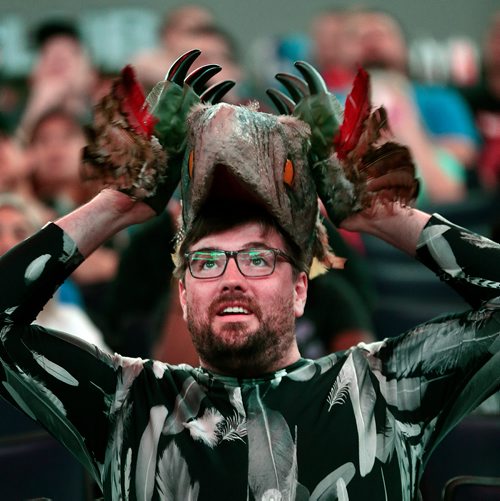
x,y
468,262
435,374
64,383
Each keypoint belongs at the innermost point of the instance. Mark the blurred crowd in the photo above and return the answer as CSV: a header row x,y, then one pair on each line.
x,y
123,297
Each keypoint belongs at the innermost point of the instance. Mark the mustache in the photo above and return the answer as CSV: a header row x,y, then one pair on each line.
x,y
243,300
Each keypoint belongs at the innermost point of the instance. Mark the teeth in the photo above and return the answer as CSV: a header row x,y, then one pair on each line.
x,y
235,309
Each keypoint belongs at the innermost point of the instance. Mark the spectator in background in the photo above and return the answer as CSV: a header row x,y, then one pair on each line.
x,y
174,40
330,50
433,120
55,145
443,177
18,220
217,47
54,150
484,100
16,171
62,76
381,44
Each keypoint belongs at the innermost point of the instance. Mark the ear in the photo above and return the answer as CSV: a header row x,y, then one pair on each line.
x,y
300,294
183,299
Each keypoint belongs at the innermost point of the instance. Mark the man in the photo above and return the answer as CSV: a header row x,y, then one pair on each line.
x,y
484,101
62,75
175,37
378,42
255,420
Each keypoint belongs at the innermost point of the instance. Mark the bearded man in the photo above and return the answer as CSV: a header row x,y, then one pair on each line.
x,y
255,420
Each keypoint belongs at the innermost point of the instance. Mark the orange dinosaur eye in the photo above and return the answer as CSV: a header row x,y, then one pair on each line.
x,y
191,164
288,173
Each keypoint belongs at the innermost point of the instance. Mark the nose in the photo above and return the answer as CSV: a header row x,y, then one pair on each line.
x,y
233,279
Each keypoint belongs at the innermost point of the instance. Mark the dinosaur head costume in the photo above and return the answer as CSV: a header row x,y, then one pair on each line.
x,y
240,154
180,133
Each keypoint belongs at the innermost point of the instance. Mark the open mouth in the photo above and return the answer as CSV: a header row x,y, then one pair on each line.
x,y
233,310
229,310
227,186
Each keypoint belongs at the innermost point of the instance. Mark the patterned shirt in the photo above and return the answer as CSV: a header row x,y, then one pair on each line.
x,y
356,425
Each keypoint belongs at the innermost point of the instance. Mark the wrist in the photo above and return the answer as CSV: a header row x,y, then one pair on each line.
x,y
398,225
102,217
401,228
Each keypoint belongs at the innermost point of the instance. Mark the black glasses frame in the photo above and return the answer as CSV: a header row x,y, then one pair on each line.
x,y
234,254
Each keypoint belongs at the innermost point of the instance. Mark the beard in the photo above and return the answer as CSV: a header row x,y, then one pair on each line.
x,y
237,350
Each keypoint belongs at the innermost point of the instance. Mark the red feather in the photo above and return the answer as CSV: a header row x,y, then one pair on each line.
x,y
357,110
134,103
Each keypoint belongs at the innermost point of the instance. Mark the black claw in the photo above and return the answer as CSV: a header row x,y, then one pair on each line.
x,y
198,78
313,78
294,85
282,102
178,71
216,92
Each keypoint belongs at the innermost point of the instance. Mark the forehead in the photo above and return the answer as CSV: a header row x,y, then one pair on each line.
x,y
61,43
378,25
241,236
56,126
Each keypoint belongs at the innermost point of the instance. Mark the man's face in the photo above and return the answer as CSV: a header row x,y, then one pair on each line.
x,y
378,40
56,151
244,326
328,35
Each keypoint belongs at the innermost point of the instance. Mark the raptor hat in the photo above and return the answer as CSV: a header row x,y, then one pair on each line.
x,y
313,147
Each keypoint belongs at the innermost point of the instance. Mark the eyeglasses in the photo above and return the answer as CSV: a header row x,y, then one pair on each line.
x,y
259,262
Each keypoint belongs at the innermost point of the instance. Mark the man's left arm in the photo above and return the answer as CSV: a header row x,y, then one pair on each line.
x,y
466,261
397,225
436,373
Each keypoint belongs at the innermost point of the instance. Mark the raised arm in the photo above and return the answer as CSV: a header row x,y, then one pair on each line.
x,y
464,260
48,374
90,225
399,226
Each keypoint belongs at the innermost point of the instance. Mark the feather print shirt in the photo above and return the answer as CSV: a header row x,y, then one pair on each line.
x,y
355,425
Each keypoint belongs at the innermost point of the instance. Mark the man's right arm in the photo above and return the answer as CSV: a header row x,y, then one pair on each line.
x,y
90,225
65,384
